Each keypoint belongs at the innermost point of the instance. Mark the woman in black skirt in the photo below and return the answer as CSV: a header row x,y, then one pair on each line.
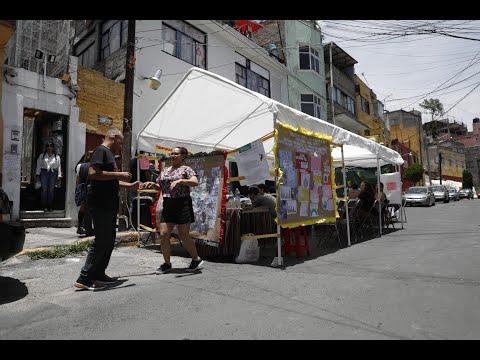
x,y
174,182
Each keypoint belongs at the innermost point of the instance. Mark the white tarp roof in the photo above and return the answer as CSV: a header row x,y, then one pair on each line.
x,y
355,156
207,111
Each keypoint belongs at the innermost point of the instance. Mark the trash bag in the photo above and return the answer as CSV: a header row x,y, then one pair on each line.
x,y
249,251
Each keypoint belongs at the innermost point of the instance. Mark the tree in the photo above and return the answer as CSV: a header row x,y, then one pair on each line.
x,y
433,106
467,180
414,173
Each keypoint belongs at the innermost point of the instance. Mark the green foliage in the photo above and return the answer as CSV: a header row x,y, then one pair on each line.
x,y
433,106
60,251
414,173
467,180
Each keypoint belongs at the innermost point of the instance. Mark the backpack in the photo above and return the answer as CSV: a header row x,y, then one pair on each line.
x,y
80,194
81,188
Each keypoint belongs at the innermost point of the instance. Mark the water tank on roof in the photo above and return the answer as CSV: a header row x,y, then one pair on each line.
x,y
273,50
476,120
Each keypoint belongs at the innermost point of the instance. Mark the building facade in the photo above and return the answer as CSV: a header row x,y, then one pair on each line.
x,y
7,28
217,47
39,106
472,164
298,43
406,127
470,139
340,88
451,154
408,156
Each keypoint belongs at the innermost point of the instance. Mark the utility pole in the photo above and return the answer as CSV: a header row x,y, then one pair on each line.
x,y
440,166
128,111
428,156
331,83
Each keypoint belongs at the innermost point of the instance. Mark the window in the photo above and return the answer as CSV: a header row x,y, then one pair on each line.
x,y
310,104
114,35
87,57
246,76
184,42
309,59
240,75
365,105
343,99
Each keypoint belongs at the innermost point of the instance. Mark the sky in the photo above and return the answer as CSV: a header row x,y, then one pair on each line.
x,y
406,61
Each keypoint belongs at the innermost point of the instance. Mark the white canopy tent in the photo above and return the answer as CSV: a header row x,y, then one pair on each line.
x,y
206,111
357,156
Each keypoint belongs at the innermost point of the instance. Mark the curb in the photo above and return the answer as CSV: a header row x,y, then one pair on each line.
x,y
124,238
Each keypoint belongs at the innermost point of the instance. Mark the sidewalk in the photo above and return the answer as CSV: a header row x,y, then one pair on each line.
x,y
40,237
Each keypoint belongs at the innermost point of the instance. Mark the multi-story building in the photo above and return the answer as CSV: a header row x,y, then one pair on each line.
x,y
409,157
406,127
451,154
340,78
7,27
298,43
39,92
370,112
170,48
443,147
469,138
472,162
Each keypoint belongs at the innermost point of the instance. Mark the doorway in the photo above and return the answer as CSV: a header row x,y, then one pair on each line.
x,y
39,128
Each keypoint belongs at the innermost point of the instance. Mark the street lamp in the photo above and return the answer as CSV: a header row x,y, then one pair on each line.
x,y
39,54
154,81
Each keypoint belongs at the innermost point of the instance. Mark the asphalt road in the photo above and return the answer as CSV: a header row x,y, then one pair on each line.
x,y
422,282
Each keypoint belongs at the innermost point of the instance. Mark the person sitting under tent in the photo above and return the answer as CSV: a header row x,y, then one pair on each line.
x,y
259,200
262,188
353,193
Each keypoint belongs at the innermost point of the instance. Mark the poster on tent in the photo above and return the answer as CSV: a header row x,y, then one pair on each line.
x,y
304,191
392,187
207,198
252,163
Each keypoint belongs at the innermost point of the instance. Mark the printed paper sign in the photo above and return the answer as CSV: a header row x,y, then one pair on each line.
x,y
316,164
391,186
252,163
303,208
144,163
285,193
303,194
301,161
291,206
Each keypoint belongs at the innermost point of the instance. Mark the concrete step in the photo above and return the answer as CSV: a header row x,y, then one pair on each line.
x,y
40,214
48,222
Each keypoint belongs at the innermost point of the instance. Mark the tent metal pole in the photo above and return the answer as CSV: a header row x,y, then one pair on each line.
x,y
279,233
138,198
378,197
402,209
345,195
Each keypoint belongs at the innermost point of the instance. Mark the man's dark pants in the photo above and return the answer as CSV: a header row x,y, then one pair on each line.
x,y
104,223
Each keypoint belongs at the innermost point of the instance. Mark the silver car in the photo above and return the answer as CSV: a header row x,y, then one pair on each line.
x,y
453,194
440,192
419,195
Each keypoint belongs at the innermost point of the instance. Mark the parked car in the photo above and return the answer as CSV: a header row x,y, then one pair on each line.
x,y
12,233
419,195
466,193
453,195
440,192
